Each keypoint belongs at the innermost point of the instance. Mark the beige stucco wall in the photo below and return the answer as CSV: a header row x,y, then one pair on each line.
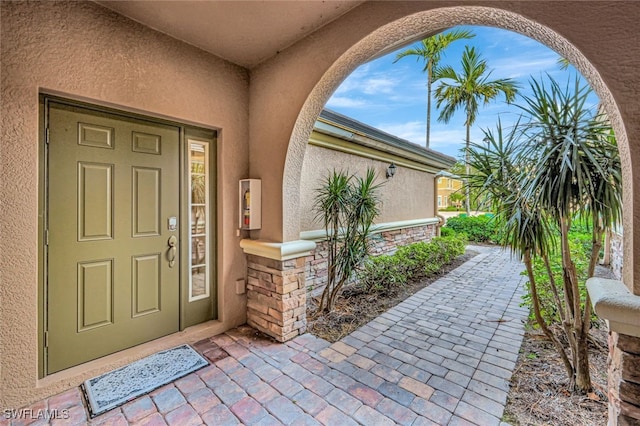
x,y
408,195
84,51
598,37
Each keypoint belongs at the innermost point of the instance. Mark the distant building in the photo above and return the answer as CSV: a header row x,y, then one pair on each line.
x,y
448,184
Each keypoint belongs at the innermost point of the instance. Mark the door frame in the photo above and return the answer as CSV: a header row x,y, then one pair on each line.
x,y
185,131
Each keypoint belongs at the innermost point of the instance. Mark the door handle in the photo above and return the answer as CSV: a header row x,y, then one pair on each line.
x,y
171,254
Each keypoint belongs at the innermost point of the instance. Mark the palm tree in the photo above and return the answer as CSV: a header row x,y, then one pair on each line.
x,y
430,50
465,92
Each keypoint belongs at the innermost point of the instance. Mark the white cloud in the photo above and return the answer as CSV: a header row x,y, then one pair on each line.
x,y
354,80
346,102
366,81
379,84
448,140
413,131
522,66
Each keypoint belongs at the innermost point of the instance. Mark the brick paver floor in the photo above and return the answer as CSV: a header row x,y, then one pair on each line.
x,y
444,356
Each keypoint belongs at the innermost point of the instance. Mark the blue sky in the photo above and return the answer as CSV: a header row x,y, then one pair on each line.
x,y
393,97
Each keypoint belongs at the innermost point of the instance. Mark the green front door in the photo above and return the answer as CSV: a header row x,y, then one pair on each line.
x,y
113,208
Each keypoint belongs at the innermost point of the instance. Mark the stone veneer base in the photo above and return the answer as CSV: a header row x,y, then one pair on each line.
x,y
613,301
385,242
276,296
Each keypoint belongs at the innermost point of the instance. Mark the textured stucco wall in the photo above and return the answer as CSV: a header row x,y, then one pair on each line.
x,y
408,195
84,51
598,37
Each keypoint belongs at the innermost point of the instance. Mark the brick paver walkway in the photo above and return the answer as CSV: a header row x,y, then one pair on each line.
x,y
444,356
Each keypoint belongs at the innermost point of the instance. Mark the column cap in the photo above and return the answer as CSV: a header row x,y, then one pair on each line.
x,y
613,301
278,251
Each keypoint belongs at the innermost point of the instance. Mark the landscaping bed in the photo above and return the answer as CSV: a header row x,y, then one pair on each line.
x,y
538,394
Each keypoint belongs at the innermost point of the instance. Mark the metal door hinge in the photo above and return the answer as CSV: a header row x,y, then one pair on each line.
x,y
46,136
46,339
46,237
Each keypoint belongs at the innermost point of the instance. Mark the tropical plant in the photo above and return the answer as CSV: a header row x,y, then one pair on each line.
x,y
430,50
347,205
563,63
561,163
465,91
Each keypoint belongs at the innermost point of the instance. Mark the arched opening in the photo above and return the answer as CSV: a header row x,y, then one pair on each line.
x,y
413,27
419,25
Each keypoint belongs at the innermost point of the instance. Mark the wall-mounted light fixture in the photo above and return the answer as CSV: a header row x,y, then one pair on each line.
x,y
391,170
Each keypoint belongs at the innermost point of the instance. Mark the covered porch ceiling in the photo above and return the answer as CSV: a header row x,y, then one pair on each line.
x,y
243,32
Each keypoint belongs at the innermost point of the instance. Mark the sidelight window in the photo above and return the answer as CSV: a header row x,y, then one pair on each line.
x,y
199,233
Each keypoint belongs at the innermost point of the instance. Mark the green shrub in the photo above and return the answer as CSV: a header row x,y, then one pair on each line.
x,y
447,232
477,228
453,246
424,258
381,273
409,263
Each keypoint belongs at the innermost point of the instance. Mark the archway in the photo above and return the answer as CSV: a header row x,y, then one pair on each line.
x,y
417,25
413,27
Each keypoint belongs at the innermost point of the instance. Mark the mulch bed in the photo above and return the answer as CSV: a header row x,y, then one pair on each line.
x,y
354,308
538,394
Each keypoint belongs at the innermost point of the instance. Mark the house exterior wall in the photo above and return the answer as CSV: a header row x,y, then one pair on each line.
x,y
408,195
446,187
83,51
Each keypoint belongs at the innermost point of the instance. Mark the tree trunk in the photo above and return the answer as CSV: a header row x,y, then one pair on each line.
x,y
583,377
332,246
554,288
596,245
580,329
467,171
538,315
429,80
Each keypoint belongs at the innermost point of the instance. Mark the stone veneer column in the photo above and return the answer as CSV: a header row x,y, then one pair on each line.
x,y
624,379
276,293
614,302
385,238
276,297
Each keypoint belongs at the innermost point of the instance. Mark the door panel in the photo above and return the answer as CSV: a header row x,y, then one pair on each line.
x,y
113,183
95,201
146,284
95,294
146,186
